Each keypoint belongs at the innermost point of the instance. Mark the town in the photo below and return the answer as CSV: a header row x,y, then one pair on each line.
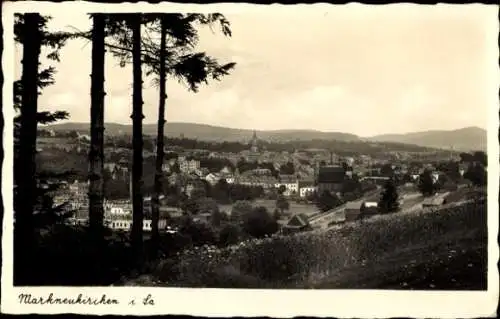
x,y
303,189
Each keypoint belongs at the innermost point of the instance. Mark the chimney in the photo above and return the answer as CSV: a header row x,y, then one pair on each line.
x,y
331,157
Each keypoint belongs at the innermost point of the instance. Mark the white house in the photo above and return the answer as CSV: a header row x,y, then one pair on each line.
x,y
435,177
290,187
212,178
307,190
126,224
118,211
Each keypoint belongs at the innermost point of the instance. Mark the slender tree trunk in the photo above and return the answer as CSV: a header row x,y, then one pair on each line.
x,y
137,141
159,144
96,153
26,167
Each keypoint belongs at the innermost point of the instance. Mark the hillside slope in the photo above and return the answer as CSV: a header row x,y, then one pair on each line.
x,y
466,139
212,133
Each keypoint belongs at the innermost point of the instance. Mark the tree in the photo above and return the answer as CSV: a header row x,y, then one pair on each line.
x,y
175,60
217,217
96,152
200,233
155,209
388,202
281,189
206,205
240,209
426,184
259,223
221,191
288,168
229,235
351,185
312,196
476,173
452,170
137,139
282,204
26,187
30,30
386,170
481,158
327,201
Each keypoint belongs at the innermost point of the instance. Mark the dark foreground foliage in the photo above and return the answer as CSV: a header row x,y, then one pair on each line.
x,y
401,250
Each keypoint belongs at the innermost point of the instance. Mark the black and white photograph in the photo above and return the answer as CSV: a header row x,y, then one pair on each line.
x,y
253,149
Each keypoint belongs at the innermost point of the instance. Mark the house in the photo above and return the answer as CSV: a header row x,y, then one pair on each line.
x,y
376,180
187,166
290,182
306,188
297,223
261,171
331,178
213,178
352,211
165,167
116,170
125,224
226,170
369,208
435,177
230,179
432,202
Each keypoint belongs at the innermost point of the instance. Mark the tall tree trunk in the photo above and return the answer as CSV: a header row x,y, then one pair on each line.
x,y
96,153
26,167
137,142
158,182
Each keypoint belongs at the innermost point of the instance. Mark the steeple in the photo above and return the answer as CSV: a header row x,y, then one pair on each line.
x,y
254,142
254,138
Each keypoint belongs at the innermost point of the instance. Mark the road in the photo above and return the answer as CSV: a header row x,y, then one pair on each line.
x,y
412,202
336,214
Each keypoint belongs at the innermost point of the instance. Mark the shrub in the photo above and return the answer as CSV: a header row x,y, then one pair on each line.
x,y
67,255
305,258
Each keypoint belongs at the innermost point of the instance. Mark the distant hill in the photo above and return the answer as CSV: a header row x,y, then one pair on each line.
x,y
464,139
210,133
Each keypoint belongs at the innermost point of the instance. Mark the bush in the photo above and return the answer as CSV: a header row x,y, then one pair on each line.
x,y
229,235
259,223
67,255
305,258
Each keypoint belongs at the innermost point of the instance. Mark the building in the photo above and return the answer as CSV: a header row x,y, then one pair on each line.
x,y
213,178
352,211
125,224
254,148
165,167
433,202
187,166
297,223
330,178
376,180
291,184
306,188
116,170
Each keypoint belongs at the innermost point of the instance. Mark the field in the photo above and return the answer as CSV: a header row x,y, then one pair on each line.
x,y
271,205
443,249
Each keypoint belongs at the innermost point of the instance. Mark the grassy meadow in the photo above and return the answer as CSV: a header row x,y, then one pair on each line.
x,y
393,251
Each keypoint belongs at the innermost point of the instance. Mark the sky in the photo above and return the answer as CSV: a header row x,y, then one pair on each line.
x,y
365,70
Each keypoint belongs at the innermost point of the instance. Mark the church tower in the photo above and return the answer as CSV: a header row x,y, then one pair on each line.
x,y
254,143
